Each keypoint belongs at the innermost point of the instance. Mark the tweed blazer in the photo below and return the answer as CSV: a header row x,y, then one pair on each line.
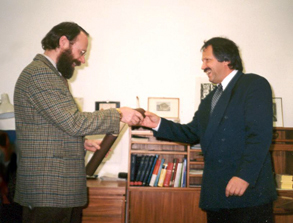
x,y
50,131
235,140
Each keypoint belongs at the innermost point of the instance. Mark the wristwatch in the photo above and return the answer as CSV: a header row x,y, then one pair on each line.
x,y
120,113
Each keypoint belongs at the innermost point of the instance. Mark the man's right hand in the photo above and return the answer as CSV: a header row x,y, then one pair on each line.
x,y
151,120
130,116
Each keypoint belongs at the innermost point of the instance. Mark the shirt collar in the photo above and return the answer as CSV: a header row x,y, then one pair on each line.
x,y
227,79
52,62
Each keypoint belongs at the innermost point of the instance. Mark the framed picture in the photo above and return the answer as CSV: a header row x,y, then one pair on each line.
x,y
164,107
103,105
205,89
277,112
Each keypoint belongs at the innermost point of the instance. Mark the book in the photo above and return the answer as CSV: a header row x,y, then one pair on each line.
x,y
284,181
141,166
183,174
132,168
143,171
168,174
139,138
152,170
173,174
148,170
159,172
155,173
162,175
177,182
284,178
284,185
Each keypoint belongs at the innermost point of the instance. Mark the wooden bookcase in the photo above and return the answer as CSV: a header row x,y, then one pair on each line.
x,y
282,159
164,204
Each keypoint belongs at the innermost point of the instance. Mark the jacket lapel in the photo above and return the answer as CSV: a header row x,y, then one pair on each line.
x,y
217,115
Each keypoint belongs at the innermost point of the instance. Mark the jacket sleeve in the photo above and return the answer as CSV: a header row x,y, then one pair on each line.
x,y
53,101
187,133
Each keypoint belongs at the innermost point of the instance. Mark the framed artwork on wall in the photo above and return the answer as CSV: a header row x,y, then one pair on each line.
x,y
277,112
103,105
164,107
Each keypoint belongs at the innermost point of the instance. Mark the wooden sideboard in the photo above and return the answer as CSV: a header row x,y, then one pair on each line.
x,y
106,202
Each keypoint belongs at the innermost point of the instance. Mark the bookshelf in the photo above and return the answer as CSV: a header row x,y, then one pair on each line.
x,y
282,158
164,204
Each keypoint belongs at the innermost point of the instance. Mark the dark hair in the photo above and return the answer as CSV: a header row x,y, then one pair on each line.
x,y
225,50
69,29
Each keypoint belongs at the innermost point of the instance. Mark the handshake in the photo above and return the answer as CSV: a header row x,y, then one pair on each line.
x,y
138,117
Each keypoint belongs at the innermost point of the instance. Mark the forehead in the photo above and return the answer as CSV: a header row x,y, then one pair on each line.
x,y
82,40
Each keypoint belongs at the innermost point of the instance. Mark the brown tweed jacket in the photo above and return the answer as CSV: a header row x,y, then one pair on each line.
x,y
50,130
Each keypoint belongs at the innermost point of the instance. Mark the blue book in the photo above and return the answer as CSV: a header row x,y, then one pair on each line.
x,y
152,170
159,173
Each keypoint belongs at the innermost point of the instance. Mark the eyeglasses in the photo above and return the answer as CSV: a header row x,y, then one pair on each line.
x,y
81,52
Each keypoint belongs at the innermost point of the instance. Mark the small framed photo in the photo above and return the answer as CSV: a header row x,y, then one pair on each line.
x,y
164,107
103,105
205,89
277,112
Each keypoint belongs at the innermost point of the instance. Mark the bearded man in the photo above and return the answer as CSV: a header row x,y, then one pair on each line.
x,y
51,178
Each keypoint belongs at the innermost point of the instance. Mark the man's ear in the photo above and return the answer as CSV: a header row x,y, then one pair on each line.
x,y
63,42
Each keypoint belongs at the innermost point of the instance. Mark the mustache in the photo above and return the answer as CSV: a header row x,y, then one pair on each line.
x,y
207,69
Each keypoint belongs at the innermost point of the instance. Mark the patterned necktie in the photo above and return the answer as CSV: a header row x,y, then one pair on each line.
x,y
216,96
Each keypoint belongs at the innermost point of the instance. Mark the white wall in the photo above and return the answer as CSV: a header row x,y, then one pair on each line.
x,y
151,48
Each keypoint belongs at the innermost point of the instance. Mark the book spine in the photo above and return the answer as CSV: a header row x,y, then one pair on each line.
x,y
175,163
155,173
159,173
144,167
136,183
147,172
183,175
162,175
132,169
152,169
168,175
178,175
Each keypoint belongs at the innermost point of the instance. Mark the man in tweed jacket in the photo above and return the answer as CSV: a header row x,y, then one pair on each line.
x,y
51,178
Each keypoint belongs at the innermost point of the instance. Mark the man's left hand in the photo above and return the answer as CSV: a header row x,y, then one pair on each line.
x,y
92,144
236,187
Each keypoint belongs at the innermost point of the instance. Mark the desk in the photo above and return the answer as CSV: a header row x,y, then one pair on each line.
x,y
106,202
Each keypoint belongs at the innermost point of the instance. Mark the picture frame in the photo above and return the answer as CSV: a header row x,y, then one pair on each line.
x,y
277,112
164,107
205,89
103,105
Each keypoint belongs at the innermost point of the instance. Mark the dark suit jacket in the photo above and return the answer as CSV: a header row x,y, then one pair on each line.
x,y
50,130
235,141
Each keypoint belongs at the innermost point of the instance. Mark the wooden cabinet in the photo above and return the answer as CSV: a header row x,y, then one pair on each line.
x,y
282,158
106,202
163,204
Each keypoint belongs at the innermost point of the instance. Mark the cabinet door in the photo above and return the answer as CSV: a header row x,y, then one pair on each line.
x,y
102,210
165,206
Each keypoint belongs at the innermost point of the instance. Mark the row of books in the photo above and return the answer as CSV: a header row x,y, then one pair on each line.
x,y
284,181
151,170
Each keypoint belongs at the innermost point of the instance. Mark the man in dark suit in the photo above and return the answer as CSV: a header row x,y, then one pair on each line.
x,y
234,127
51,178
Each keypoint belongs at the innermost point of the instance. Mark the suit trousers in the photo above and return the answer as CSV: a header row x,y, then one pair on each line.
x,y
52,215
257,214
